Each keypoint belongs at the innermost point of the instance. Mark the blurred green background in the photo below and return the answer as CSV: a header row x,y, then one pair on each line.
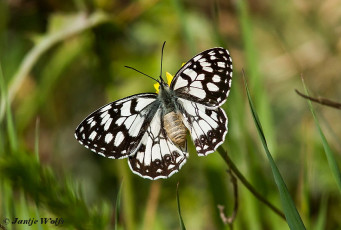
x,y
61,60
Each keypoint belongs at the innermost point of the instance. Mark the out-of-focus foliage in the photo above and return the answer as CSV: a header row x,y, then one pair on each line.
x,y
61,60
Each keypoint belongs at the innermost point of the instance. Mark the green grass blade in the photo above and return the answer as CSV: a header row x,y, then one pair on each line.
x,y
322,215
181,13
246,183
328,151
292,216
182,225
9,118
75,25
36,140
118,205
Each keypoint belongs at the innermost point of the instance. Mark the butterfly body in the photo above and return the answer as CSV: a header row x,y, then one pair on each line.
x,y
175,129
150,129
172,120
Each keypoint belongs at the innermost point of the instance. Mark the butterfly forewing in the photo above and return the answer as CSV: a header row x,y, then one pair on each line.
x,y
116,129
206,78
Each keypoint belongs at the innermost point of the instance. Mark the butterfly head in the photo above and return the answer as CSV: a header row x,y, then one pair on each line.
x,y
163,83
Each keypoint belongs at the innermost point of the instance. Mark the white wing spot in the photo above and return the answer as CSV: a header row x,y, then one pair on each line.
x,y
136,127
125,110
143,103
81,129
90,120
93,123
214,116
208,69
105,108
105,119
191,73
93,135
221,64
107,124
139,156
213,57
196,84
197,58
119,138
100,153
129,121
216,78
148,153
180,83
212,87
156,152
104,114
200,77
120,121
170,166
203,64
108,138
200,93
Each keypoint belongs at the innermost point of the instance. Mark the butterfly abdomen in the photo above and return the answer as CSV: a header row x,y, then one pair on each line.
x,y
175,129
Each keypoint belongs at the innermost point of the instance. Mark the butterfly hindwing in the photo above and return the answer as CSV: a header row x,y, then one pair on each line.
x,y
157,156
208,126
116,129
206,78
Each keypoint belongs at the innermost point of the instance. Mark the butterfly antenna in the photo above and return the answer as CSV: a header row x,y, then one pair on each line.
x,y
163,46
142,73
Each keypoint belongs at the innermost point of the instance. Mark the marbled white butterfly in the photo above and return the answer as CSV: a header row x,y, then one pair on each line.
x,y
150,129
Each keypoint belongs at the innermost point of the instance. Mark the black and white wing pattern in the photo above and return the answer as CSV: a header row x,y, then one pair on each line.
x,y
116,129
136,127
206,78
208,127
202,85
132,127
157,156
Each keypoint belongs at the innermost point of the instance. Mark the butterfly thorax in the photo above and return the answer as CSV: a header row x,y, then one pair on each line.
x,y
171,116
167,98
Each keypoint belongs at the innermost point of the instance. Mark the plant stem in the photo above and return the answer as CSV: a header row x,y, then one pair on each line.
x,y
239,175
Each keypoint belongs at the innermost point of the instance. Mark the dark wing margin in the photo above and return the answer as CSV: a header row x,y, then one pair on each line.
x,y
206,78
116,129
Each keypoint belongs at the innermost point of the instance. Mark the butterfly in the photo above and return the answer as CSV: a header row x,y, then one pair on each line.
x,y
150,129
